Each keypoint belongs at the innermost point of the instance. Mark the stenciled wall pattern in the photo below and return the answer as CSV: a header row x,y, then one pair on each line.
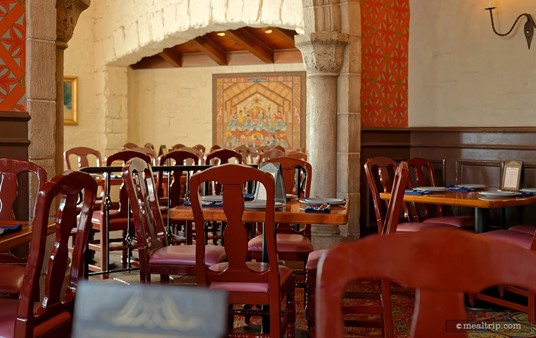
x,y
384,88
12,55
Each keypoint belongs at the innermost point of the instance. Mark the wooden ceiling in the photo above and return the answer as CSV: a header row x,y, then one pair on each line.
x,y
243,46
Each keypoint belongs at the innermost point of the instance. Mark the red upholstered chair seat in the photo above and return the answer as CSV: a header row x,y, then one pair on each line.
x,y
12,276
528,229
284,242
185,254
418,226
284,274
521,239
457,221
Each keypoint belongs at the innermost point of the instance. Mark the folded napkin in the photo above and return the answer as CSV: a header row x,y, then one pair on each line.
x,y
323,209
452,187
417,192
249,197
526,194
8,229
204,204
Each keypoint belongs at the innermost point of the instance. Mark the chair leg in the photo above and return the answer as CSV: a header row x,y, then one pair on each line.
x,y
309,290
104,253
531,306
387,308
291,311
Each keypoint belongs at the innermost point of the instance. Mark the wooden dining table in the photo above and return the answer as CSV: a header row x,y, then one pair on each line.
x,y
13,240
472,199
292,213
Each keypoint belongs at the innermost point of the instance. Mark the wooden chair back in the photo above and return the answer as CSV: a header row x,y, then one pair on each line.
x,y
222,156
297,175
177,146
233,178
129,145
422,175
200,147
83,156
428,261
269,154
178,185
380,174
300,155
10,187
141,190
56,309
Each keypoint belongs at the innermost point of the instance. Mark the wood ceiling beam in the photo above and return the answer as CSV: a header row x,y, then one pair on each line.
x,y
172,57
254,45
285,35
211,49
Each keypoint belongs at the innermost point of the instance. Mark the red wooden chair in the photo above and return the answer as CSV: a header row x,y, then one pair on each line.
x,y
12,267
222,156
292,244
300,155
52,317
155,254
247,282
505,295
246,152
269,154
177,146
428,261
85,157
380,172
114,219
200,147
423,176
389,223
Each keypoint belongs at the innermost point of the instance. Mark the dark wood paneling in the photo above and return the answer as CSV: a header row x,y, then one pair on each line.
x,y
460,155
14,143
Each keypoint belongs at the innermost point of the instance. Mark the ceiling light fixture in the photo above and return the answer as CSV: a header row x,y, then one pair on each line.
x,y
268,31
221,33
528,27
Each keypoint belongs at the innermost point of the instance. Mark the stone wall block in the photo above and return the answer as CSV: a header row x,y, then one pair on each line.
x,y
169,16
349,93
348,172
271,11
40,20
218,9
235,10
348,125
252,11
200,13
40,76
41,127
352,57
292,12
351,17
157,25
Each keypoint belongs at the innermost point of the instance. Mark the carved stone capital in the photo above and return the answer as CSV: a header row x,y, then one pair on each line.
x,y
323,52
68,12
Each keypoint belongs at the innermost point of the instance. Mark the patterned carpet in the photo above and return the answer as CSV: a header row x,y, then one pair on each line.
x,y
403,303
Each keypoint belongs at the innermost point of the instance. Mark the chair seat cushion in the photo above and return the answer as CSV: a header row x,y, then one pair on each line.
x,y
457,221
521,239
97,220
284,275
418,226
528,229
285,243
314,257
12,276
8,313
185,255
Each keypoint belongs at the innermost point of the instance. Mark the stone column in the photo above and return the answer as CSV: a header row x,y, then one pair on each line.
x,y
68,12
323,54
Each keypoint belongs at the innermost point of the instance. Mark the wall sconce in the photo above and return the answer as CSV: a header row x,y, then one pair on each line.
x,y
528,27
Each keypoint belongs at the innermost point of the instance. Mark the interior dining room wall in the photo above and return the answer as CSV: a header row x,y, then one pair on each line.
x,y
462,74
174,105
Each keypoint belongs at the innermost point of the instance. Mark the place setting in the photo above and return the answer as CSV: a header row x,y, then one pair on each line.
x,y
320,204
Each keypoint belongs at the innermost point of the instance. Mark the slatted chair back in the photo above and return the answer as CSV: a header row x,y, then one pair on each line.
x,y
85,157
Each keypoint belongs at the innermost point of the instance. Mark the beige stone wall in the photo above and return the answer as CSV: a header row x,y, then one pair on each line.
x,y
170,106
461,73
113,34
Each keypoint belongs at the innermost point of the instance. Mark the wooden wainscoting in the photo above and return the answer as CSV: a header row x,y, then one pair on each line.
x,y
459,155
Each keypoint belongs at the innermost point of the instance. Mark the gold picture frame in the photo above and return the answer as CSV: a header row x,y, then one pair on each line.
x,y
70,100
511,175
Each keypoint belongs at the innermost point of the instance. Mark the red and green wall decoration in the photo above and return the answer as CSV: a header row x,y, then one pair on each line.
x,y
12,55
384,87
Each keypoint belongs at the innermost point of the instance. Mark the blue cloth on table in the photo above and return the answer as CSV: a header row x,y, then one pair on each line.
x,y
416,192
452,187
8,229
204,204
317,210
526,194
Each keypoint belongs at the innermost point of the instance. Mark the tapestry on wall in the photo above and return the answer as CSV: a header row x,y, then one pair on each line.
x,y
384,78
259,109
12,55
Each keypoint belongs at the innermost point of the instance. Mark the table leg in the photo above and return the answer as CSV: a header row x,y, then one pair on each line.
x,y
481,219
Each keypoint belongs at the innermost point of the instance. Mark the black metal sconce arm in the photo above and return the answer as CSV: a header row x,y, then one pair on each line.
x,y
528,28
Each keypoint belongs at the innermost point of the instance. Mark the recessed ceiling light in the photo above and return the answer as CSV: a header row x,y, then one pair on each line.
x,y
221,33
268,31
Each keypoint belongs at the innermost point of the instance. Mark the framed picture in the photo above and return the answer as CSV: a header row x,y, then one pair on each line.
x,y
70,100
259,110
511,175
